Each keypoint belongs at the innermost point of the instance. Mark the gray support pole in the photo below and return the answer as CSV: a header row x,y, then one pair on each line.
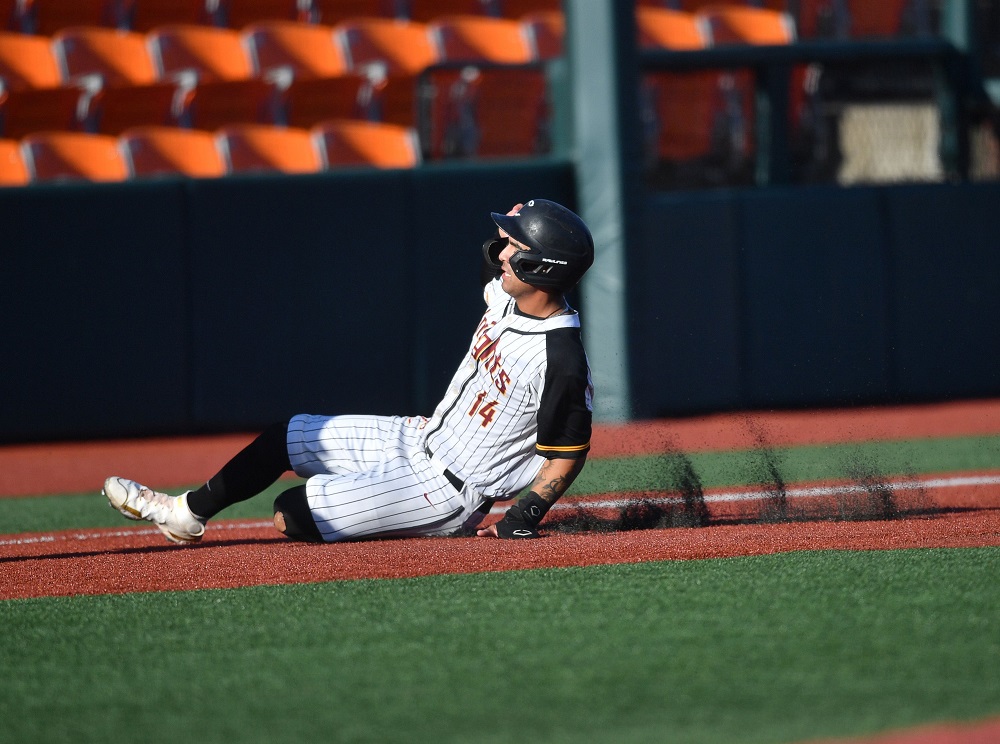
x,y
603,66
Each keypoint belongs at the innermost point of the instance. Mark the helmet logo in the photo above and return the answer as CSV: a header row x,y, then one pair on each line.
x,y
555,261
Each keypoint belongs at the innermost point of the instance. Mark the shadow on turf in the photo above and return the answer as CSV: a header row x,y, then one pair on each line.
x,y
146,550
653,515
681,501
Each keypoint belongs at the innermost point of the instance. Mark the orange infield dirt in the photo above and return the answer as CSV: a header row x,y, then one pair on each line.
x,y
943,510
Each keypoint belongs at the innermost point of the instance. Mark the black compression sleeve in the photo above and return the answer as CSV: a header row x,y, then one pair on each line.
x,y
252,470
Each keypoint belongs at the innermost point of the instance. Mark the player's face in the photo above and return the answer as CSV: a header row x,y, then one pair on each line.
x,y
510,283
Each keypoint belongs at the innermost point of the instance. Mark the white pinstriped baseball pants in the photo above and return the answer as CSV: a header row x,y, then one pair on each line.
x,y
368,476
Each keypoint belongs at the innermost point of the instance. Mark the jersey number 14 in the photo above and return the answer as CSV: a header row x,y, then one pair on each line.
x,y
486,409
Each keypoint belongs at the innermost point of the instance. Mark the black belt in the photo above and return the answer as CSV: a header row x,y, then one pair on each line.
x,y
456,482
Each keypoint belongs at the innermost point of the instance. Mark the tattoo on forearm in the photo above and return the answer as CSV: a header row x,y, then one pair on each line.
x,y
551,486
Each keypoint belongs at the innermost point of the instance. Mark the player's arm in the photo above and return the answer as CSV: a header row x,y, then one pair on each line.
x,y
521,520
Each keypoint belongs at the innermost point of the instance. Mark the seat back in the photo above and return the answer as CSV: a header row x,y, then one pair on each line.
x,y
480,39
13,172
308,101
120,57
402,46
241,13
520,9
885,18
212,53
332,12
305,50
73,156
151,151
733,24
662,28
145,15
366,143
38,109
681,109
46,17
10,15
426,11
218,103
28,61
117,108
268,148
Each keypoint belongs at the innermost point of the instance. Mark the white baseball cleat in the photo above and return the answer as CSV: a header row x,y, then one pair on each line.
x,y
170,513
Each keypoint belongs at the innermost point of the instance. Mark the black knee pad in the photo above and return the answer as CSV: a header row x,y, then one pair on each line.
x,y
299,524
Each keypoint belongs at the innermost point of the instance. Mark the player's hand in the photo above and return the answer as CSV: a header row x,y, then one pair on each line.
x,y
490,531
515,525
514,210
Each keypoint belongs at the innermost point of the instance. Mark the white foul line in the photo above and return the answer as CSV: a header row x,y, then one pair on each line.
x,y
810,492
727,496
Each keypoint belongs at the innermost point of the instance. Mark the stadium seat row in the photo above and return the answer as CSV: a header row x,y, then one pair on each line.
x,y
50,16
106,80
157,151
833,18
814,18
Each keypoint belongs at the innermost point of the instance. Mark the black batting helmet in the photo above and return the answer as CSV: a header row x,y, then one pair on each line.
x,y
559,247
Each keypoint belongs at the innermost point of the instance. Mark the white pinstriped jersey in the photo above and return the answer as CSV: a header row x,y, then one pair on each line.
x,y
523,394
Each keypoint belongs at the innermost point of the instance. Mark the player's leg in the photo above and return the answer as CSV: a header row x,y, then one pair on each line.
x,y
253,469
293,518
182,518
368,476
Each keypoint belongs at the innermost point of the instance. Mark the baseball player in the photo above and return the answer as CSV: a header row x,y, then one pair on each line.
x,y
516,414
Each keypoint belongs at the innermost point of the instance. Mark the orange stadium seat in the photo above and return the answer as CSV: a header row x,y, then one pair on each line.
x,y
308,101
269,148
366,143
217,103
36,109
660,28
146,15
430,10
394,53
12,169
332,12
885,18
760,26
519,9
152,151
28,61
303,50
241,13
33,96
128,93
476,39
398,45
53,156
45,17
210,53
493,107
733,24
682,106
10,15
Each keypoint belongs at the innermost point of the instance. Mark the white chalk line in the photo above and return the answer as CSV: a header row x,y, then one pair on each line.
x,y
808,492
724,497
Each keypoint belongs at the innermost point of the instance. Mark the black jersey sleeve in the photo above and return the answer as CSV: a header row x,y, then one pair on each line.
x,y
564,413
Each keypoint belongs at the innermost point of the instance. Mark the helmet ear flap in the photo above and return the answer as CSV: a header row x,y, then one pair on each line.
x,y
492,249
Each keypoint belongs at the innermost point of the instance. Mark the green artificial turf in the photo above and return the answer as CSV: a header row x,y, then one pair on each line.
x,y
779,648
644,473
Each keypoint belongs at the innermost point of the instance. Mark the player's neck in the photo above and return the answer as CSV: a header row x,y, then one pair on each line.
x,y
541,304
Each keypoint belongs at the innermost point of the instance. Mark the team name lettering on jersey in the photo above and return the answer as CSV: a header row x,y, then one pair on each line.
x,y
484,350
